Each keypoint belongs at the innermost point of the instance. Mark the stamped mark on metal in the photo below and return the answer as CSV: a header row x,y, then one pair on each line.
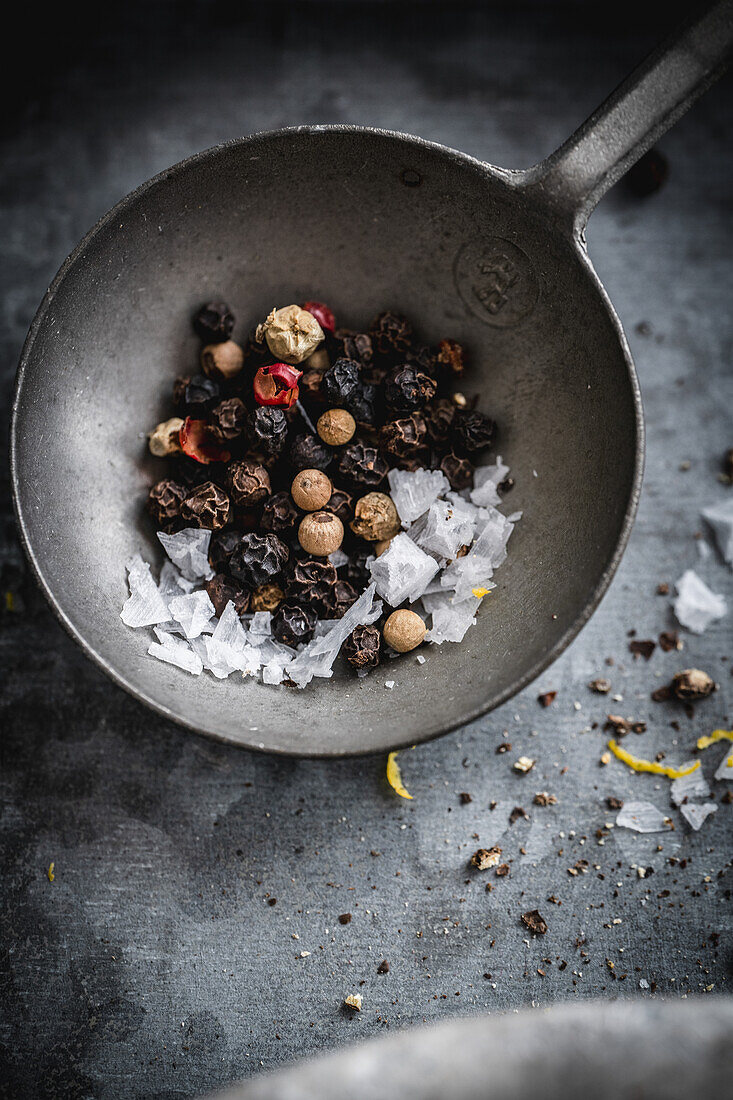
x,y
495,280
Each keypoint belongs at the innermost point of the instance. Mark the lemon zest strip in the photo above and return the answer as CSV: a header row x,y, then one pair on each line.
x,y
639,765
479,593
710,739
394,776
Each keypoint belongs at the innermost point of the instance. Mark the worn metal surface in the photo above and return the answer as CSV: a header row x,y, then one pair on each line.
x,y
153,965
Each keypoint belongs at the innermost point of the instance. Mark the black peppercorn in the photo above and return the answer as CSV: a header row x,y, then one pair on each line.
x,y
222,546
207,506
200,395
506,485
362,404
164,503
308,452
223,590
292,624
363,464
439,417
356,345
362,648
407,389
342,505
309,582
214,322
179,389
338,600
355,571
279,514
258,559
229,418
391,333
472,431
249,483
268,429
401,437
341,382
423,359
458,470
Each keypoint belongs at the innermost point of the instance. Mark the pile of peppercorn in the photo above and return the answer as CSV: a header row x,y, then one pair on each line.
x,y
297,513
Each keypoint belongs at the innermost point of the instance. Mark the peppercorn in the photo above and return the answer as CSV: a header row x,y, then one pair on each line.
x,y
164,503
356,570
362,404
692,684
404,630
363,465
338,601
458,470
165,437
407,389
229,418
267,597
356,345
223,590
179,389
311,490
199,441
318,360
277,384
320,533
375,517
342,505
420,460
472,431
207,507
380,546
310,386
341,381
268,429
214,322
450,357
222,546
223,360
336,427
322,314
438,416
362,648
258,559
249,483
309,582
401,437
308,452
291,333
506,485
391,333
200,394
423,359
279,514
292,624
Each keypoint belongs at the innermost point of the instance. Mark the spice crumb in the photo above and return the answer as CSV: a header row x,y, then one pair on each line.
x,y
524,764
353,1001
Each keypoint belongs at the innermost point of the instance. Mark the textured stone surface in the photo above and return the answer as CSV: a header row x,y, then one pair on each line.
x,y
156,963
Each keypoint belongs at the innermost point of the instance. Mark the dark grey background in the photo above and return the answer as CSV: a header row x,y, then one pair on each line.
x,y
158,964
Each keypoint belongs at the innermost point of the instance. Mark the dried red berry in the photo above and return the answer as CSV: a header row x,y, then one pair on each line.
x,y
322,314
207,507
199,441
277,384
223,590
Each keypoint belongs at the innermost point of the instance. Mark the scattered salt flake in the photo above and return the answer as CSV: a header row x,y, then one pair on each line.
x,y
486,480
176,651
172,582
338,558
145,606
389,684
228,649
420,659
413,491
696,814
451,620
317,658
189,549
273,672
403,571
642,817
725,768
261,624
696,606
193,611
353,1001
693,785
443,531
643,983
720,518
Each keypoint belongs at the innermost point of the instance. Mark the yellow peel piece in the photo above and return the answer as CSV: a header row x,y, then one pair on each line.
x,y
394,776
639,765
710,738
51,875
479,593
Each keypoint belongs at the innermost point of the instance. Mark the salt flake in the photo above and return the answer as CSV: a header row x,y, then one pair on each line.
x,y
413,491
189,549
145,605
193,611
696,814
720,518
642,817
696,606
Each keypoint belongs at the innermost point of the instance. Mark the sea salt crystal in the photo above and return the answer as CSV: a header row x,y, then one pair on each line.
x,y
193,611
317,658
485,482
693,785
189,549
338,558
491,543
642,817
260,624
172,582
420,659
441,531
227,649
697,814
451,620
145,605
720,518
413,491
273,672
725,768
389,684
464,575
696,606
403,571
175,651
